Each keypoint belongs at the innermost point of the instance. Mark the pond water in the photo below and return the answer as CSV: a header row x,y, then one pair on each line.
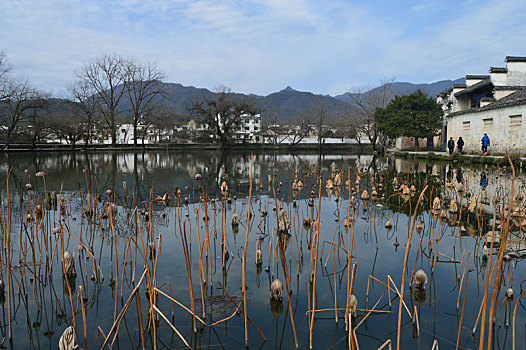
x,y
100,207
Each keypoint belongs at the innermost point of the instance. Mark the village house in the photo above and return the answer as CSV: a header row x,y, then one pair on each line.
x,y
249,131
494,104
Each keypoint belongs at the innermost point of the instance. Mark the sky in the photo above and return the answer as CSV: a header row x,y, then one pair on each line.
x,y
257,46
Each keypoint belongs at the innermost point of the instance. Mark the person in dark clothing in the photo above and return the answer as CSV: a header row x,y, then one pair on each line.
x,y
460,144
459,175
483,180
451,145
485,143
449,173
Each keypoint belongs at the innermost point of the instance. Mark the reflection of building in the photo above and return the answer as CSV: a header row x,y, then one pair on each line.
x,y
494,104
406,166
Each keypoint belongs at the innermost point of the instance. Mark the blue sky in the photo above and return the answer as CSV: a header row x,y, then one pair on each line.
x,y
327,47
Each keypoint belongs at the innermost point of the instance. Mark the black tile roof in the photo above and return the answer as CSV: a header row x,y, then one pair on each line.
x,y
477,77
515,59
488,99
507,87
515,99
474,87
445,92
498,70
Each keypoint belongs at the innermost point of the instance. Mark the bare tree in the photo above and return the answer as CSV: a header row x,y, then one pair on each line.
x,y
5,68
300,129
107,76
161,118
366,101
273,130
318,114
21,104
37,125
145,90
69,122
223,114
84,97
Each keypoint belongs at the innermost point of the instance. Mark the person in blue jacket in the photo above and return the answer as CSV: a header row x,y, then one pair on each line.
x,y
484,179
485,143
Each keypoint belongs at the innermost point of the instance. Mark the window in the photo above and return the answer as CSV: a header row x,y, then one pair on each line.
x,y
516,120
256,128
247,128
466,125
487,122
247,121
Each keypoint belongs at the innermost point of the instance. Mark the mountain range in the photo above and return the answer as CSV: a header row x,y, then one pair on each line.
x,y
287,105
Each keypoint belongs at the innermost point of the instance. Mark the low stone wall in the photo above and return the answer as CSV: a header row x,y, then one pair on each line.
x,y
501,160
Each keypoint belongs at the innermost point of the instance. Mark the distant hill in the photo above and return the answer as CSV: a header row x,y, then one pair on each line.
x,y
405,88
288,104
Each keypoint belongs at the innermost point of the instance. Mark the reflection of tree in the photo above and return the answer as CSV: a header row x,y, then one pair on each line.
x,y
164,170
398,203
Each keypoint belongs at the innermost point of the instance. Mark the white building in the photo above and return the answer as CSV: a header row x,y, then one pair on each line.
x,y
494,104
249,130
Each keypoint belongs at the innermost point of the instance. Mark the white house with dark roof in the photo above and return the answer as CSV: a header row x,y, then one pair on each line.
x,y
494,104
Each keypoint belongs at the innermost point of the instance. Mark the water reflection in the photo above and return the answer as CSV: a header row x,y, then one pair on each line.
x,y
98,207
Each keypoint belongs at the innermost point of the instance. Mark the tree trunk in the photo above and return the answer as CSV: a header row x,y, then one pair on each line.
x,y
113,128
7,140
135,133
373,140
416,144
88,136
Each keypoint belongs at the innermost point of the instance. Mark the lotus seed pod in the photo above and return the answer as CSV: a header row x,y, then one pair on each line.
x,y
68,340
69,265
276,289
235,219
353,305
420,279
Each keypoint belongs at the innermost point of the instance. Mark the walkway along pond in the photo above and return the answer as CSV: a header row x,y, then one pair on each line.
x,y
169,249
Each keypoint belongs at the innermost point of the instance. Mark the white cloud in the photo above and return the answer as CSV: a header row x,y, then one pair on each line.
x,y
262,46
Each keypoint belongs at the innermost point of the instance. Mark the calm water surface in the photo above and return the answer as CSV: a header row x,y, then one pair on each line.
x,y
40,303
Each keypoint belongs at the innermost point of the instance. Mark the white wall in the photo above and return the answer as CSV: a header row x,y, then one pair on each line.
x,y
503,137
516,73
502,93
498,79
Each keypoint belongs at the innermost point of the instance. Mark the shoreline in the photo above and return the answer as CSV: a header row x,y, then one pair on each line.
x,y
14,148
479,159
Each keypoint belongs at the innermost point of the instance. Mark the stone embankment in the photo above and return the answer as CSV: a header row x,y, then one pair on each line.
x,y
491,159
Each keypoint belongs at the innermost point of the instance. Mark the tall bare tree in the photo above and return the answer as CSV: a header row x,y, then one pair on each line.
x,y
160,117
223,114
5,68
21,104
108,76
145,90
69,123
84,97
366,101
318,114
